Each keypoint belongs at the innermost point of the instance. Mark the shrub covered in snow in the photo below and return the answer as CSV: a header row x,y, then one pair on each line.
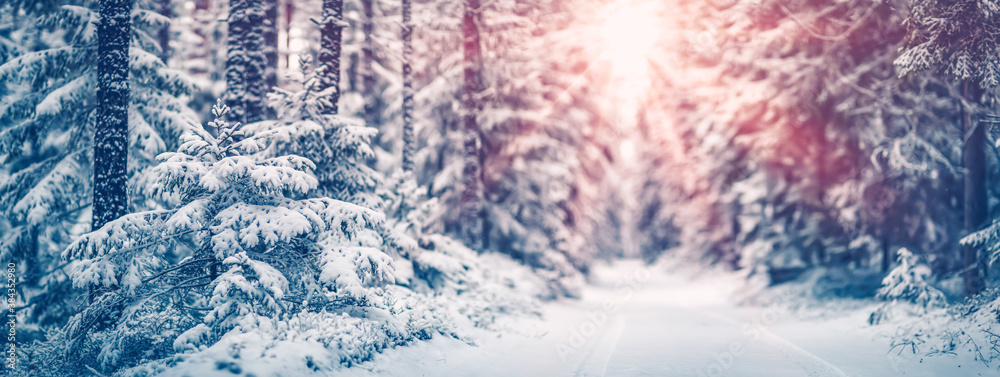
x,y
971,328
908,282
338,145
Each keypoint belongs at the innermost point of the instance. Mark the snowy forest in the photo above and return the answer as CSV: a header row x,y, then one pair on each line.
x,y
500,187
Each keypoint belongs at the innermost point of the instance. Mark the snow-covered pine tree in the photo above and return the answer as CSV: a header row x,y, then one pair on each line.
x,y
543,208
369,60
956,38
539,202
437,123
246,64
47,122
239,252
338,145
578,122
908,282
863,167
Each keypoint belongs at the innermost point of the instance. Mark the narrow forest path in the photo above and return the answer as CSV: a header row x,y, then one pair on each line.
x,y
637,321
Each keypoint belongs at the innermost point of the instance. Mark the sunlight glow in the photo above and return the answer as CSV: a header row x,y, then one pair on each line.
x,y
629,33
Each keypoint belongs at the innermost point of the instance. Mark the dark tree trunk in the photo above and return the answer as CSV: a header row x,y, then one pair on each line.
x,y
246,65
887,257
409,144
974,158
289,13
163,36
471,199
271,48
372,107
111,136
352,73
329,52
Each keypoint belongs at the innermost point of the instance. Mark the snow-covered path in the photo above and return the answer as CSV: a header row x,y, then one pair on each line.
x,y
635,321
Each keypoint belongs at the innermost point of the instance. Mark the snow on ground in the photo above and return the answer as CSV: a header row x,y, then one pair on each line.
x,y
639,321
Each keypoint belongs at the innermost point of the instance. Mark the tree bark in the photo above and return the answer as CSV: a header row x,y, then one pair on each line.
x,y
409,142
329,53
289,15
111,135
471,198
246,65
974,158
887,257
271,45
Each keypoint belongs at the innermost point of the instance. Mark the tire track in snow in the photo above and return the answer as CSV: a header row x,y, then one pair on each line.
x,y
595,363
811,363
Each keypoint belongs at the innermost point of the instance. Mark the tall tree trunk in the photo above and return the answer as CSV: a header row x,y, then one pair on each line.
x,y
270,33
163,37
352,73
368,64
289,14
409,142
329,52
246,64
887,257
471,199
974,156
111,135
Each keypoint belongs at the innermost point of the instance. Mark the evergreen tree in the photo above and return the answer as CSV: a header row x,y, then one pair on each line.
x,y
49,107
255,253
864,173
337,144
955,37
908,282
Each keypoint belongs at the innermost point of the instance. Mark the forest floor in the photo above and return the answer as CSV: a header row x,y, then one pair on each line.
x,y
634,320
